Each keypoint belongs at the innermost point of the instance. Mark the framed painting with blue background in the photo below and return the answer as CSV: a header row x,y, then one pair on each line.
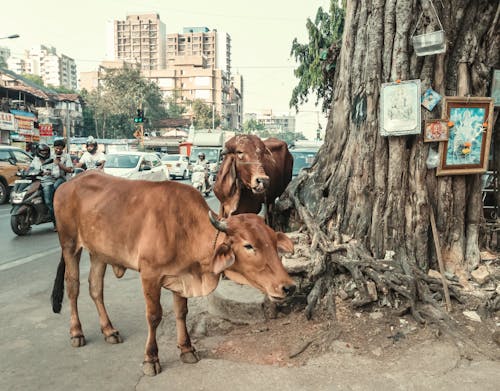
x,y
470,126
430,99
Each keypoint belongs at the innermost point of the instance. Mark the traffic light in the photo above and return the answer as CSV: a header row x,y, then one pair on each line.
x,y
140,117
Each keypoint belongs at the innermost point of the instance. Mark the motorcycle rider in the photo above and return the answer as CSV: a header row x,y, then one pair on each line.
x,y
93,158
206,165
43,163
62,163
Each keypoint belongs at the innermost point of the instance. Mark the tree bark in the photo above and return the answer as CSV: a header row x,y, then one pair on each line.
x,y
378,190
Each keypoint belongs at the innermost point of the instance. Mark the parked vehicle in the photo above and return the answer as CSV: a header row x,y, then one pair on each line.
x,y
177,164
304,153
28,206
198,179
136,165
12,159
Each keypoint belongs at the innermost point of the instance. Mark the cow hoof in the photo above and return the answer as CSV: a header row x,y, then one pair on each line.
x,y
151,368
189,358
78,341
114,338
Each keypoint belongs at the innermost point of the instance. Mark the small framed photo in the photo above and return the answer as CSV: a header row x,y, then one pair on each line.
x,y
495,87
435,130
430,99
400,108
468,146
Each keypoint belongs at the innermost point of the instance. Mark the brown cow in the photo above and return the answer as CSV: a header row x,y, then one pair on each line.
x,y
253,172
167,232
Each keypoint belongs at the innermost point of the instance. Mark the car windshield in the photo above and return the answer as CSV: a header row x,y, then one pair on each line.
x,y
121,161
302,159
170,158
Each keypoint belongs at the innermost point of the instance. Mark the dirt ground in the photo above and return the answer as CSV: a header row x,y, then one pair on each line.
x,y
291,340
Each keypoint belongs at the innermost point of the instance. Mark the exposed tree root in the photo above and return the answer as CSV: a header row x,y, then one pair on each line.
x,y
405,287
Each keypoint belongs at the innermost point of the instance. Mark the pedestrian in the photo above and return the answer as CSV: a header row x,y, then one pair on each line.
x,y
93,158
62,164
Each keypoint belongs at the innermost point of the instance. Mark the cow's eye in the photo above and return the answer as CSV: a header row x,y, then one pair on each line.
x,y
248,246
240,155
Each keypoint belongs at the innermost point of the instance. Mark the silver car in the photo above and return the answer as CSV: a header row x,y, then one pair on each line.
x,y
136,165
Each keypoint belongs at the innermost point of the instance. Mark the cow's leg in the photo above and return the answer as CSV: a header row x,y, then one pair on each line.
x,y
188,353
152,291
72,278
96,286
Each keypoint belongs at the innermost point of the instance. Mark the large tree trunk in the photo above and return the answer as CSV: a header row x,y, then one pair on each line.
x,y
378,190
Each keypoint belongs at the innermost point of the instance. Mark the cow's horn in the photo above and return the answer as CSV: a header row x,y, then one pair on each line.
x,y
225,151
219,224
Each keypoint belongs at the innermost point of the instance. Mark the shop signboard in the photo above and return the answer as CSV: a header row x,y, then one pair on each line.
x,y
46,130
8,122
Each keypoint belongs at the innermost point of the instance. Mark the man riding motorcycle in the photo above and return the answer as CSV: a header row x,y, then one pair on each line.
x,y
202,163
93,158
62,163
43,163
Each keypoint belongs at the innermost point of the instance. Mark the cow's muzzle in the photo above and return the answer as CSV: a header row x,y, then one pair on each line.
x,y
261,186
286,290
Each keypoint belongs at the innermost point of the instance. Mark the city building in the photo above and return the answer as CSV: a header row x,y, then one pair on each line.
x,y
140,39
273,122
55,70
213,46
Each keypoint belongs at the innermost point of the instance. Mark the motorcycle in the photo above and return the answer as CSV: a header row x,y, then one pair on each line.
x,y
28,206
198,179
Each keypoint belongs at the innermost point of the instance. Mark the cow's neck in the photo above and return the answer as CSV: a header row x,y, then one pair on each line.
x,y
198,279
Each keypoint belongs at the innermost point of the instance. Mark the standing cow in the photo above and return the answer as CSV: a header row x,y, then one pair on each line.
x,y
254,172
167,232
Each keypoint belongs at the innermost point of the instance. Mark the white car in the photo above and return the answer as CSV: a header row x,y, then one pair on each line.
x,y
178,165
136,165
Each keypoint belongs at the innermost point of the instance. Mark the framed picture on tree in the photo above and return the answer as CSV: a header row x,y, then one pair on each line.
x,y
470,126
400,108
435,130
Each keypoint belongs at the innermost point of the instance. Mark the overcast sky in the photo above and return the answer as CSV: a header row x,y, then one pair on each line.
x,y
261,31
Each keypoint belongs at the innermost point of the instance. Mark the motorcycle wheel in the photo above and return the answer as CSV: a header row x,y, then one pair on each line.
x,y
19,225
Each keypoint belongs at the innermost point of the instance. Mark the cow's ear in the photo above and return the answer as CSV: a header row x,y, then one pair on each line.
x,y
285,244
223,258
226,187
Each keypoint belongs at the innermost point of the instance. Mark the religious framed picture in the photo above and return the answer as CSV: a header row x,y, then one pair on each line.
x,y
470,126
495,87
400,108
430,99
435,130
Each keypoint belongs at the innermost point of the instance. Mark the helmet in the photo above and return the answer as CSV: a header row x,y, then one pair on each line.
x,y
43,151
201,155
91,142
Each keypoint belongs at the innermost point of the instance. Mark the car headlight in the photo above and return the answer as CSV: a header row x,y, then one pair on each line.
x,y
17,198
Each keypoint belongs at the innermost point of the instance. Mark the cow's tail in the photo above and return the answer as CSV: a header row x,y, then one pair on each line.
x,y
58,290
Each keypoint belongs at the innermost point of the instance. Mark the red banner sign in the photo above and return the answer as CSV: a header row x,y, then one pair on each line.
x,y
45,130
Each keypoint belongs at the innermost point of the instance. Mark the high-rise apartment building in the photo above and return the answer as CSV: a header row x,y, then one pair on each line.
x,y
212,45
55,70
140,39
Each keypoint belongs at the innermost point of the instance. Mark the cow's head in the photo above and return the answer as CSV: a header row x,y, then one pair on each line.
x,y
249,255
244,155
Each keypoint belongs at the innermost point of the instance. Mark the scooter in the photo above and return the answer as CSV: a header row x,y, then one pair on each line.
x,y
198,179
28,207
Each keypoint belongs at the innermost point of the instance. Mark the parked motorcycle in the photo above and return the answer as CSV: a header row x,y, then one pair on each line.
x,y
198,179
28,207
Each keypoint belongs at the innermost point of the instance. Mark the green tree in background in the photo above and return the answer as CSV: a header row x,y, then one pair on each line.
x,y
174,110
317,58
113,105
34,79
202,113
252,126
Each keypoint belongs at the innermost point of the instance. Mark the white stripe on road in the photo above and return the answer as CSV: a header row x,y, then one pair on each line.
x,y
31,258
7,215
